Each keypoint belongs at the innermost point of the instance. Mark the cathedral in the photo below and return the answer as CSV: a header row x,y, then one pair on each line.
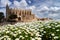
x,y
23,15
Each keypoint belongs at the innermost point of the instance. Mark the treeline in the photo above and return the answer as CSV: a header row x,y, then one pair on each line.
x,y
10,18
1,16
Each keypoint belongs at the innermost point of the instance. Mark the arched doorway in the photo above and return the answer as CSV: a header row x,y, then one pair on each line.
x,y
19,18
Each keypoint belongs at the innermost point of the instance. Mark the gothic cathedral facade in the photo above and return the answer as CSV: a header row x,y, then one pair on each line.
x,y
23,15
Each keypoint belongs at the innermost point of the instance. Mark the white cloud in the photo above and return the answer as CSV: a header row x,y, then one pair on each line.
x,y
29,1
45,11
53,15
32,7
16,3
43,8
55,8
4,2
21,4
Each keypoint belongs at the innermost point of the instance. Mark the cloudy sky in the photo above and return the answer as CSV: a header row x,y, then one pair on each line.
x,y
41,8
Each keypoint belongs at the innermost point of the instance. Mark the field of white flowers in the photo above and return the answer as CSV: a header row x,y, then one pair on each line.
x,y
39,30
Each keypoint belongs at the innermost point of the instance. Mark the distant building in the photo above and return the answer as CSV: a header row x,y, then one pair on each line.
x,y
23,15
44,19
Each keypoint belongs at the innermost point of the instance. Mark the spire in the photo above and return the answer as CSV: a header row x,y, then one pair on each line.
x,y
7,7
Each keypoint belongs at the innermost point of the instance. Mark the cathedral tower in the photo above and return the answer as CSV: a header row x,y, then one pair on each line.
x,y
7,11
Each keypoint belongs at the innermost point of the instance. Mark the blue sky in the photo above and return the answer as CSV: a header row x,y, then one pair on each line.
x,y
41,8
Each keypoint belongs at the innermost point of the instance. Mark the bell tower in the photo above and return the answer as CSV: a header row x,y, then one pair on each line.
x,y
7,11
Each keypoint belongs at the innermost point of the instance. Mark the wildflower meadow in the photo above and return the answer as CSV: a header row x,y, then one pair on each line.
x,y
39,30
